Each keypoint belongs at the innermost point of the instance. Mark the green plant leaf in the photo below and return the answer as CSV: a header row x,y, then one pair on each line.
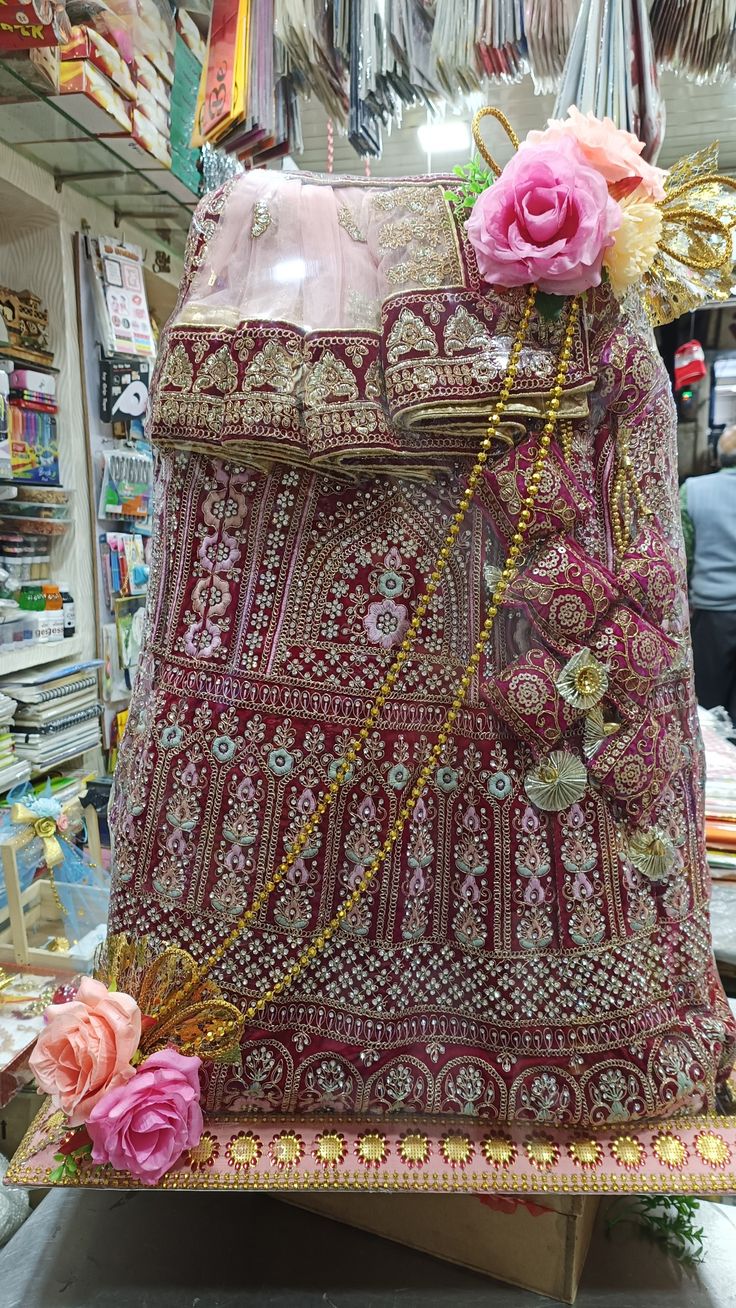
x,y
550,306
666,1220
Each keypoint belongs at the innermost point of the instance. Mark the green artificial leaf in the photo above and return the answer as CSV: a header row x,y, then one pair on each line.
x,y
475,180
57,1174
666,1220
550,306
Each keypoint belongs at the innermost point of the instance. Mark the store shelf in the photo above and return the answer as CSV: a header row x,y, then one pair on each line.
x,y
30,654
113,170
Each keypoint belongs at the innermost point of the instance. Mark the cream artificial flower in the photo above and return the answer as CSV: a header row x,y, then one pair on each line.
x,y
635,242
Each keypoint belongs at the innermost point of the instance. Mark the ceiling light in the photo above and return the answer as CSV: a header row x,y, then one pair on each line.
x,y
451,136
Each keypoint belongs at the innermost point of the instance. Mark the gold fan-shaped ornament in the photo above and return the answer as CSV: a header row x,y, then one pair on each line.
x,y
205,1024
695,254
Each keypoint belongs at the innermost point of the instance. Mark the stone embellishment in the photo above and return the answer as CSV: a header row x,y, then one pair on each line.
x,y
330,1148
204,1154
286,1149
371,1149
586,1153
414,1148
243,1150
542,1152
557,781
628,1152
261,219
583,681
670,1150
499,1150
457,1149
687,1155
348,223
712,1149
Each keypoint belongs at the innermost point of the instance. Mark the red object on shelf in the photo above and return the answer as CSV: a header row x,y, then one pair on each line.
x,y
689,364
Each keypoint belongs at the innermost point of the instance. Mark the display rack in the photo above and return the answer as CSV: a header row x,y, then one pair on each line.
x,y
108,169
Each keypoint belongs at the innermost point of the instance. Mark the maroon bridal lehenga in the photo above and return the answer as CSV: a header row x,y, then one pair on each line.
x,y
536,947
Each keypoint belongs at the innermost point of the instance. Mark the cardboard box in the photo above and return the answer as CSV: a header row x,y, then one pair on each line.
x,y
152,110
90,45
146,76
539,1243
151,139
90,98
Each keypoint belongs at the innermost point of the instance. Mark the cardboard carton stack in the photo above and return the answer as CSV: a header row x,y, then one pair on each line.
x,y
135,85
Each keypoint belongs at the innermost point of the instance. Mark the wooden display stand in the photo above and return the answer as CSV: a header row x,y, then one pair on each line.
x,y
539,1243
29,910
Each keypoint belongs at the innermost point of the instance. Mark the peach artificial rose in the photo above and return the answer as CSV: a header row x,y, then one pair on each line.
x,y
614,153
85,1048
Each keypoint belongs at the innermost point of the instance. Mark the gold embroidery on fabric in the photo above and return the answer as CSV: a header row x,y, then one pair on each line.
x,y
347,221
218,371
465,332
363,311
409,333
329,381
274,366
261,219
373,382
178,370
426,237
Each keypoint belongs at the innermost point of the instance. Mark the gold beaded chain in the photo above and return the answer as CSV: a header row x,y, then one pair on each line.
x,y
625,485
385,690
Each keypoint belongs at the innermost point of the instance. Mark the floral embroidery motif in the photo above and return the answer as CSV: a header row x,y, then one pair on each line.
x,y
329,381
465,332
274,366
409,335
177,370
219,372
347,221
386,622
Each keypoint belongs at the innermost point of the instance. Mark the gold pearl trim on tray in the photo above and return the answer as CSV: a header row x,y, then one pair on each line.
x,y
694,1155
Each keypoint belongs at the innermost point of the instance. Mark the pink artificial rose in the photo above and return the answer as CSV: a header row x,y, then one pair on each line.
x,y
85,1048
548,219
144,1126
614,153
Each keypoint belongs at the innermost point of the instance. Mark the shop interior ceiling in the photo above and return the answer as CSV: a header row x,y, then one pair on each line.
x,y
696,115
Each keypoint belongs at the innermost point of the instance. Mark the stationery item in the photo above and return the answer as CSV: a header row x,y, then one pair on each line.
x,y
57,712
34,454
53,682
120,299
127,485
69,611
123,388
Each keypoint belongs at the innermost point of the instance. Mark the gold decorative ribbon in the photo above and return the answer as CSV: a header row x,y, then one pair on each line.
x,y
489,111
694,259
45,828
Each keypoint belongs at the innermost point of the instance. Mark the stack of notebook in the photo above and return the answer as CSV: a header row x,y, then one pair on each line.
x,y
58,714
720,791
12,769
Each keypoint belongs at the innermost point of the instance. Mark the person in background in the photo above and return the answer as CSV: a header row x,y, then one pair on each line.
x,y
708,506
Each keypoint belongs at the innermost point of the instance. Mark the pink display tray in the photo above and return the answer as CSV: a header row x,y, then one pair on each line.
x,y
695,1155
